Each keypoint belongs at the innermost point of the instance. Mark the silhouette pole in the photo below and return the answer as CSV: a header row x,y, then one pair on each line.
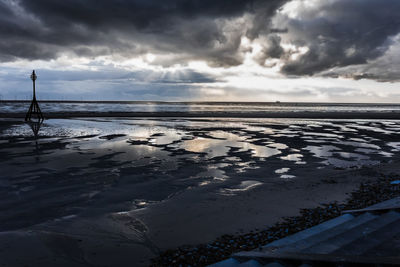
x,y
34,108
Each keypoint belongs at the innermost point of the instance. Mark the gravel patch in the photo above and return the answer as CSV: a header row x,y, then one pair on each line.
x,y
367,194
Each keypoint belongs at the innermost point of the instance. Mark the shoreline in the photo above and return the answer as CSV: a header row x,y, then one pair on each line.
x,y
266,115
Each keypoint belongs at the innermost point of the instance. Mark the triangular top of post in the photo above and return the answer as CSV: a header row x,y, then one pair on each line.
x,y
33,76
34,108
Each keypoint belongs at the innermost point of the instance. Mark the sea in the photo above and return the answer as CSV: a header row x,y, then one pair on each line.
x,y
234,107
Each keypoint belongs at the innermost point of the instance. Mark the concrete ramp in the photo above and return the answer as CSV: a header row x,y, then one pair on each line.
x,y
365,237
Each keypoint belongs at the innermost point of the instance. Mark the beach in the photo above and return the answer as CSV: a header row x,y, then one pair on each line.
x,y
107,191
179,133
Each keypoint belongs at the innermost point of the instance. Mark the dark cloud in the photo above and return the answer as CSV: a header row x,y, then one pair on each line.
x,y
383,69
198,29
343,37
340,33
271,49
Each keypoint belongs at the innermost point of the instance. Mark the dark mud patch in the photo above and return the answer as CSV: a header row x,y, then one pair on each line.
x,y
111,136
86,136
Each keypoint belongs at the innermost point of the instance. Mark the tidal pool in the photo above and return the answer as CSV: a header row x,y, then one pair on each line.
x,y
150,160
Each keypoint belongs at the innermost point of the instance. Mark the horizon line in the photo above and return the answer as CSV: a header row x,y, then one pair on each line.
x,y
195,102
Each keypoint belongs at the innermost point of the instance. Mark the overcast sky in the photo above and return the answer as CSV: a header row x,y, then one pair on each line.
x,y
193,50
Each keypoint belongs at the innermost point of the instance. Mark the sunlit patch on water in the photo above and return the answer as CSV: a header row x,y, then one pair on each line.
x,y
261,151
283,173
294,157
279,146
341,159
328,136
221,146
282,170
241,167
166,137
287,176
141,203
227,136
395,146
243,186
358,140
323,151
212,147
212,173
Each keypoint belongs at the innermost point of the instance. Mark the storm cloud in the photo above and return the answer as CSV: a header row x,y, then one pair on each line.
x,y
339,33
304,38
197,29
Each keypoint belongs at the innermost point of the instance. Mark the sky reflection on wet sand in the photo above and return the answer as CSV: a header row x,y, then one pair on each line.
x,y
89,156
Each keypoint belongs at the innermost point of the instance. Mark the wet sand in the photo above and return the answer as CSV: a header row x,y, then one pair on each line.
x,y
118,191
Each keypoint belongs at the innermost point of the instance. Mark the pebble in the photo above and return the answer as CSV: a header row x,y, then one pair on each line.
x,y
367,194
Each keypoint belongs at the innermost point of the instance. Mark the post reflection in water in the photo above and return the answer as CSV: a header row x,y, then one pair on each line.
x,y
35,126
